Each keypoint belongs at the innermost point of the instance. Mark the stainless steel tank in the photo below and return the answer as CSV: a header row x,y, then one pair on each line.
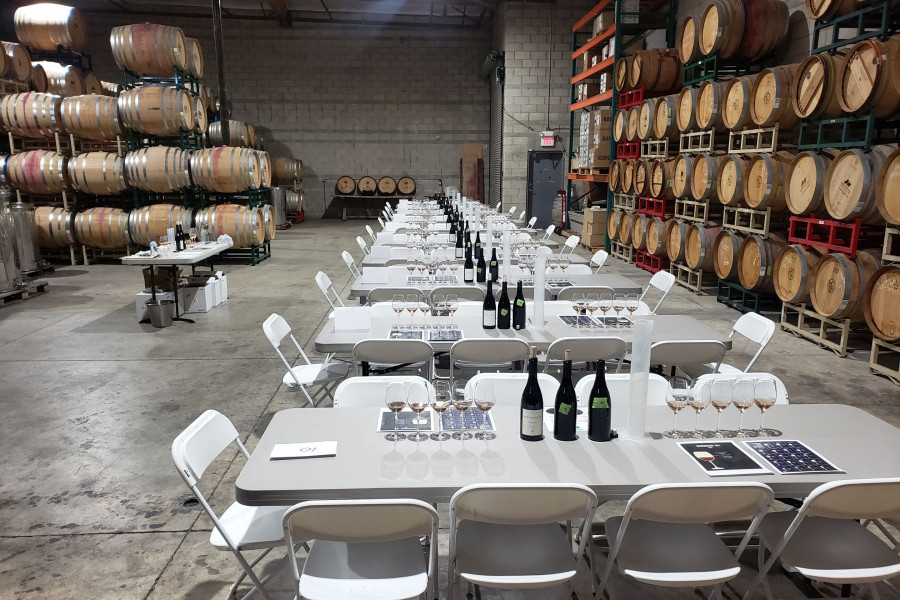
x,y
26,242
277,199
10,275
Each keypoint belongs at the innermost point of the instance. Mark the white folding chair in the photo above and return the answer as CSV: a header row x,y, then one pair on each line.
x,y
543,250
362,245
584,350
370,355
508,387
381,222
486,353
664,536
324,376
386,294
619,385
240,528
522,216
369,391
531,222
570,245
463,292
662,281
752,326
599,259
508,536
351,264
548,233
781,394
371,233
686,353
823,540
327,289
364,549
512,211
389,209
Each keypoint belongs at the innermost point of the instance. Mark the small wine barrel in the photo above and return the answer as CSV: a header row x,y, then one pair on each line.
x,y
158,169
656,236
657,70
405,185
645,118
31,114
345,186
293,201
245,225
92,83
200,121
764,184
641,183
869,78
151,222
665,124
102,227
54,227
39,82
194,57
621,74
756,260
794,267
639,224
699,244
686,116
366,186
265,168
681,175
287,170
815,89
711,104
268,214
851,181
98,173
631,124
628,176
156,109
625,224
387,186
615,175
619,125
770,97
688,43
91,117
37,172
111,89
18,62
737,102
148,49
235,134
62,80
250,138
825,10
661,179
733,170
704,173
887,189
46,26
226,169
676,235
743,28
839,284
804,186
881,303
725,252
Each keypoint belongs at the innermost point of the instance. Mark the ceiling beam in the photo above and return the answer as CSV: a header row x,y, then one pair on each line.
x,y
279,7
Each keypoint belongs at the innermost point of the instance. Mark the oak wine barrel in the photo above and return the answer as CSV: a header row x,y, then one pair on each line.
x,y
725,253
226,169
31,114
628,176
639,224
756,261
657,70
265,168
615,175
704,173
676,235
681,175
148,49
794,267
869,80
245,225
156,110
619,125
250,137
665,125
92,84
804,186
194,57
7,68
293,201
645,118
887,189
736,114
54,227
37,172
625,224
62,80
405,185
688,42
39,81
366,186
387,186
825,10
656,236
641,183
661,179
711,104
345,186
881,303
18,62
98,173
200,119
851,182
288,170
764,184
102,227
770,97
631,123
699,244
733,170
839,284
621,74
45,26
235,134
814,93
743,28
685,115
151,222
268,214
158,169
613,217
92,117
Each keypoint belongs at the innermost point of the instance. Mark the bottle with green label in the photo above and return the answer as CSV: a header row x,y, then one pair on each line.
x,y
504,309
565,410
480,270
518,309
599,407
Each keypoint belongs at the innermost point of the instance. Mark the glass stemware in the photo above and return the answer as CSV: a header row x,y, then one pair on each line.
x,y
631,304
461,402
418,400
425,309
439,306
742,398
592,302
677,398
720,397
454,266
395,398
410,266
412,305
440,403
605,305
764,394
398,303
700,396
563,265
484,400
618,305
578,307
552,264
452,307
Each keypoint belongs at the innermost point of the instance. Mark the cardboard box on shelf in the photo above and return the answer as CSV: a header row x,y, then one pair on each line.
x,y
163,278
603,20
591,58
600,155
602,120
594,240
591,89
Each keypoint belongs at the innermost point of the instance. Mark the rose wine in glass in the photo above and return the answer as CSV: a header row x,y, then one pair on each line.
x,y
742,398
699,400
721,399
677,399
484,400
395,398
764,393
418,400
461,402
440,403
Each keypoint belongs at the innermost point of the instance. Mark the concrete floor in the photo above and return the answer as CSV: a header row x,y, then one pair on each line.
x,y
90,503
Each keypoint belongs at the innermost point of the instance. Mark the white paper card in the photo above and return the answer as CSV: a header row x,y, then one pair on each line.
x,y
352,318
376,274
303,450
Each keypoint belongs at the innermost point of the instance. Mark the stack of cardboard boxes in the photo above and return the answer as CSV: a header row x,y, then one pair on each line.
x,y
594,233
593,139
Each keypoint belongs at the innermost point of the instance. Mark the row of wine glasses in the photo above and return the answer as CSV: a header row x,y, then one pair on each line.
x,y
604,301
440,305
432,265
742,392
398,395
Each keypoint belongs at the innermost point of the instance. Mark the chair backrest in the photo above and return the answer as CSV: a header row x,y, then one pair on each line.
x,y
528,292
855,499
549,232
515,504
508,387
662,281
381,222
386,294
395,352
463,292
488,351
201,443
351,264
512,211
599,259
276,329
543,250
687,352
531,222
359,520
369,391
577,270
327,289
567,292
619,385
707,502
781,394
371,232
522,215
755,328
587,349
571,243
362,245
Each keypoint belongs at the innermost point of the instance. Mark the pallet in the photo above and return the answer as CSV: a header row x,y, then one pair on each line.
x,y
8,86
890,252
61,143
654,207
710,67
753,141
693,210
820,331
628,150
693,279
622,251
631,98
747,220
655,148
697,141
29,290
835,236
256,254
650,262
868,22
884,359
846,132
625,201
741,299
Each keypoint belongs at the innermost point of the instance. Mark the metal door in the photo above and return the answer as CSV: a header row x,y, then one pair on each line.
x,y
546,173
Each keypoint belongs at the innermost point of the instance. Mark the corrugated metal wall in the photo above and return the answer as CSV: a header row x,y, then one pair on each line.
x,y
495,192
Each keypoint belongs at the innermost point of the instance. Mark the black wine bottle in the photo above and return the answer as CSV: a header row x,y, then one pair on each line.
x,y
504,310
468,268
460,250
531,413
479,251
565,408
481,270
599,407
518,310
489,309
494,266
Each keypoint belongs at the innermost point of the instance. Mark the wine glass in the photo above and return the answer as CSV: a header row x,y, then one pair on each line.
x,y
592,302
606,299
461,403
618,305
720,397
398,303
442,267
418,400
425,309
412,305
764,394
742,398
677,398
552,264
578,307
631,304
454,266
410,266
193,235
395,398
563,265
439,305
440,403
452,306
700,395
484,400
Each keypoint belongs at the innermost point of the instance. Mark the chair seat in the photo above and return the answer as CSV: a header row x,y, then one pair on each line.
x,y
813,553
514,556
667,554
390,570
250,527
316,374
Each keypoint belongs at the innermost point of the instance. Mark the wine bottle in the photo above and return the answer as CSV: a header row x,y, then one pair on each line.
x,y
489,309
599,407
494,266
480,270
468,267
460,251
518,310
479,251
565,408
452,227
531,413
504,312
